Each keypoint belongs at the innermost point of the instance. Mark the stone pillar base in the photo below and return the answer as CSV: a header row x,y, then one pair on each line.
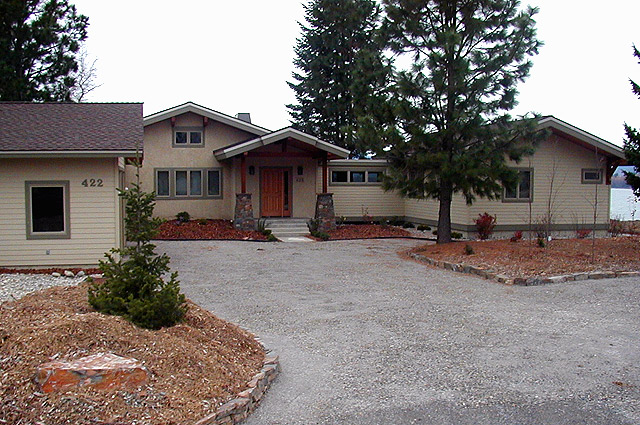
x,y
325,213
243,216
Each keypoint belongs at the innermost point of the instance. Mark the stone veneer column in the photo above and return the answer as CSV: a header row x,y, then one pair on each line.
x,y
243,216
325,213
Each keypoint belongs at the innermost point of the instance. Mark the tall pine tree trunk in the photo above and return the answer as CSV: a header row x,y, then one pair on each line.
x,y
444,215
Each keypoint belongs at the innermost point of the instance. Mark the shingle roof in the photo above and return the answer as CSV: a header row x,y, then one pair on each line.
x,y
36,127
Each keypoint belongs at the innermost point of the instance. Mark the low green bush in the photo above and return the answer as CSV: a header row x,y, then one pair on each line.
x,y
321,235
408,225
423,227
271,238
183,217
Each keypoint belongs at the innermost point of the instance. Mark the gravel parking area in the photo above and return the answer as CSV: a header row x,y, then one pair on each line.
x,y
366,337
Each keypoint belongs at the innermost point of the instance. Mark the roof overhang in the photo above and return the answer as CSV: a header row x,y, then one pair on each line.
x,y
69,154
205,112
577,135
285,133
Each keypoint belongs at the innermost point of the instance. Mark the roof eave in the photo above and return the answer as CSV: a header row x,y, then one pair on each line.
x,y
593,140
70,154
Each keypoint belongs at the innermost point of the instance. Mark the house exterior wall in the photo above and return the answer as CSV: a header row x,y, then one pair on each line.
x,y
159,152
94,212
353,200
557,175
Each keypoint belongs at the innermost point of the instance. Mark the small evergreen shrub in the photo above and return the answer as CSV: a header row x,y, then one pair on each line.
x,y
517,236
468,249
313,225
396,221
456,235
134,285
423,227
183,217
202,221
321,235
485,223
408,225
266,232
542,242
271,238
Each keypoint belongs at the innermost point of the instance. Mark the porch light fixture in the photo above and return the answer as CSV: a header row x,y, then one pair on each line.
x,y
300,170
252,170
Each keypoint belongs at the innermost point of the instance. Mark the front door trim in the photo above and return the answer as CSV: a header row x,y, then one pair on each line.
x,y
289,212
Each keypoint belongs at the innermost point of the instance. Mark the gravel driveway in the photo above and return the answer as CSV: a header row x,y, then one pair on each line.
x,y
366,337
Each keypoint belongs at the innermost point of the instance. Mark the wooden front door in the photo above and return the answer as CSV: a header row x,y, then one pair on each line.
x,y
274,192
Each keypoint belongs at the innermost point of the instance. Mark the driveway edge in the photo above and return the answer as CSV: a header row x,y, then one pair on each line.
x,y
238,409
519,281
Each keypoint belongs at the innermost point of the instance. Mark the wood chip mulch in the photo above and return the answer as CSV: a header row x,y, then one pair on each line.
x,y
194,366
74,270
209,229
367,231
526,259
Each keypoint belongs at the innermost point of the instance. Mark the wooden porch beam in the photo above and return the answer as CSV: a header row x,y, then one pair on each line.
x,y
324,174
243,173
279,155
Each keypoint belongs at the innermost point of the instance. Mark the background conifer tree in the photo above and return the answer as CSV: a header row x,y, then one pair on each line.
x,y
454,131
341,78
632,144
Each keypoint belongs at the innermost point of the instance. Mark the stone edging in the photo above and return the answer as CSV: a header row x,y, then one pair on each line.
x,y
236,410
521,281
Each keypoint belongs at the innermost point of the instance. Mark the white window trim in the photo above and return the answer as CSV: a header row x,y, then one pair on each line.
x,y
591,170
66,233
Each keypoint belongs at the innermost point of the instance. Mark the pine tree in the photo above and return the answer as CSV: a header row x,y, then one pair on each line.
x,y
455,132
632,144
340,85
39,42
134,285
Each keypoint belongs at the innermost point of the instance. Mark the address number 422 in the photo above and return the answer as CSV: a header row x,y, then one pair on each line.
x,y
92,183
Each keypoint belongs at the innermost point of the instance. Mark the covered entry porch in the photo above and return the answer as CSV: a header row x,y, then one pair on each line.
x,y
281,174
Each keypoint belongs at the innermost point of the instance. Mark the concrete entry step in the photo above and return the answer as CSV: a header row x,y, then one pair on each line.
x,y
288,229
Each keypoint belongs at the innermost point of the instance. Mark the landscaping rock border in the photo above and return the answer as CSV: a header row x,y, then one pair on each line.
x,y
520,281
237,410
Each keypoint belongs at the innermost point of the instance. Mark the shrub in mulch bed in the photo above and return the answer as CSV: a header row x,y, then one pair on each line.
x,y
75,270
205,229
366,231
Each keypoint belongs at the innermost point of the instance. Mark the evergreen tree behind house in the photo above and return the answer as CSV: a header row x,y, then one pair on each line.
x,y
39,46
342,76
632,144
454,131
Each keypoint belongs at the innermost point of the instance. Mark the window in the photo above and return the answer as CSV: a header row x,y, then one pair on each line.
x,y
187,137
162,183
213,183
591,175
188,183
523,189
47,210
356,176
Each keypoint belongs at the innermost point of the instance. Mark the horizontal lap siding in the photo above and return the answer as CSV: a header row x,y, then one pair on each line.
x,y
93,212
356,200
428,209
572,200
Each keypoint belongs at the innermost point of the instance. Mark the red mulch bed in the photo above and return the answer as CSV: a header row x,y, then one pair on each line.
x,y
75,270
367,231
212,229
526,259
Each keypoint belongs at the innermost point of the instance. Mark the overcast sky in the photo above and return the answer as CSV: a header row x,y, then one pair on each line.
x,y
236,56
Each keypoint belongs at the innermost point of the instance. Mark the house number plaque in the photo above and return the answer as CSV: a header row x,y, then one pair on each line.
x,y
92,183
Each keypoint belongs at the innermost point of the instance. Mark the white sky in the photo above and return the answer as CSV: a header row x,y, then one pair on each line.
x,y
236,56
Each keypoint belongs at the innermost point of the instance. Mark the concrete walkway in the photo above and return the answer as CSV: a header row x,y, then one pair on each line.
x,y
366,337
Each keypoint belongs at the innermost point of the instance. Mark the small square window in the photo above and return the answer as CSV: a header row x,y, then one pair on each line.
x,y
339,177
591,176
522,191
374,176
195,137
181,137
357,177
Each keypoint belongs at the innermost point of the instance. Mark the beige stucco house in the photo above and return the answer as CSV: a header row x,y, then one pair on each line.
x,y
60,165
208,163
